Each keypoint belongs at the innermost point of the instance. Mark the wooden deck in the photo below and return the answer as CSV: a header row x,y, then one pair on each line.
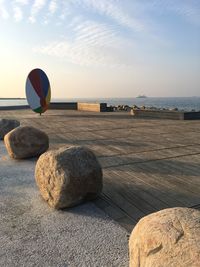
x,y
148,165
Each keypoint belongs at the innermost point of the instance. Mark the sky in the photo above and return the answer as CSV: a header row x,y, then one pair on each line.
x,y
101,48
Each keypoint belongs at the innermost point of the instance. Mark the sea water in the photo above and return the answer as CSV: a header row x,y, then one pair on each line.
x,y
182,103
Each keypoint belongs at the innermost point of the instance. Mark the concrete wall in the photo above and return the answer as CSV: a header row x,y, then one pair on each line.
x,y
63,105
165,114
14,107
97,107
191,115
54,105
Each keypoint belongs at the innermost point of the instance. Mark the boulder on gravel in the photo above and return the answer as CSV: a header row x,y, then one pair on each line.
x,y
68,176
168,238
26,142
6,126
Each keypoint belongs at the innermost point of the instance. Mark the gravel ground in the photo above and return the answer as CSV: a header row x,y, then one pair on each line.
x,y
33,234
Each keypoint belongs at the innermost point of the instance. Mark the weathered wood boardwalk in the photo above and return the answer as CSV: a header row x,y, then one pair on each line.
x,y
148,164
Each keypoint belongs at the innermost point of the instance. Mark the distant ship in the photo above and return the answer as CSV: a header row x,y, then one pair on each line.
x,y
141,96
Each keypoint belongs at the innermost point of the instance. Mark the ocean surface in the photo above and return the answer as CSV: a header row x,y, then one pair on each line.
x,y
182,103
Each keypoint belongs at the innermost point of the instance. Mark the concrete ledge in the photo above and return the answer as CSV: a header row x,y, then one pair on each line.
x,y
97,107
165,114
14,107
63,105
54,105
191,115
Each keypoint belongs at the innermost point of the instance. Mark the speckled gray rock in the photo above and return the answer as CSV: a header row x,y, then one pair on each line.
x,y
6,126
168,238
25,142
68,176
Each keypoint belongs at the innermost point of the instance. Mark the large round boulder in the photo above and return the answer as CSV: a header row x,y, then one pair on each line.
x,y
25,142
6,126
168,238
68,176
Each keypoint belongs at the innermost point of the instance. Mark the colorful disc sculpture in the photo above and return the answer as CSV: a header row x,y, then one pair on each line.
x,y
38,91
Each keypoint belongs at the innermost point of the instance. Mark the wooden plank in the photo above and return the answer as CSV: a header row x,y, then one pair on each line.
x,y
148,165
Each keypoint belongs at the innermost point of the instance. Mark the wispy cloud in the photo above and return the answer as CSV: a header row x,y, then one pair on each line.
x,y
36,7
102,32
115,11
188,10
53,6
17,13
134,15
49,12
3,10
22,2
94,44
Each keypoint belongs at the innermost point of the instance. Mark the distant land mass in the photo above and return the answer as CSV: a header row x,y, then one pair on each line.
x,y
11,98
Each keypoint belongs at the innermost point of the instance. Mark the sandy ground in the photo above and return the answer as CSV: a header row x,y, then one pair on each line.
x,y
33,234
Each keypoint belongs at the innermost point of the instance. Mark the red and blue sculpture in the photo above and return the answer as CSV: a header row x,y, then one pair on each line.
x,y
38,91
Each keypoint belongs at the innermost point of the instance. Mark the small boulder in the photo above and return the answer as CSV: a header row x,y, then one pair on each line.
x,y
68,176
173,109
135,107
170,237
25,142
133,112
6,126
